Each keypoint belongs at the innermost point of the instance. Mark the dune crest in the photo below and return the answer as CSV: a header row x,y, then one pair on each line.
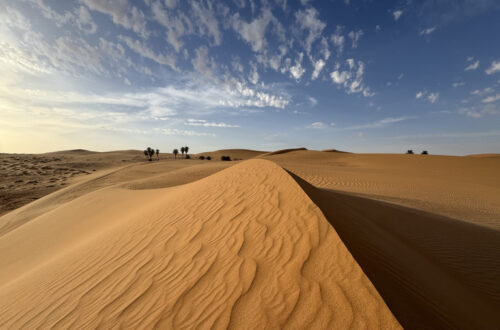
x,y
242,248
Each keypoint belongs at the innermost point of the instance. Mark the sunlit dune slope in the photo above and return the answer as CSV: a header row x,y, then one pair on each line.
x,y
244,248
135,176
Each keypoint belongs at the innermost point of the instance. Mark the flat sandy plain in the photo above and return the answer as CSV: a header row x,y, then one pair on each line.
x,y
291,239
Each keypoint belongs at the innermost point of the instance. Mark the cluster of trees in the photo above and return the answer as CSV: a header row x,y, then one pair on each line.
x,y
410,152
150,152
184,150
207,158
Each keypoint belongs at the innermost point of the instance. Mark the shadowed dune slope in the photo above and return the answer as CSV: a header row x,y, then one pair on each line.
x,y
433,271
243,248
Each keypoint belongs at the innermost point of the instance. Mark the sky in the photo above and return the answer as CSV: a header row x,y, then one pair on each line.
x,y
356,75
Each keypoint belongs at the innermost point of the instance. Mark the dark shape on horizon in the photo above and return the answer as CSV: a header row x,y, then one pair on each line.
x,y
410,152
175,152
182,150
225,158
202,157
209,158
146,154
186,149
425,152
150,152
187,156
158,154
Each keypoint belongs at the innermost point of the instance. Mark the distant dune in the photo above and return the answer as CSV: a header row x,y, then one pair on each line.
x,y
235,154
283,151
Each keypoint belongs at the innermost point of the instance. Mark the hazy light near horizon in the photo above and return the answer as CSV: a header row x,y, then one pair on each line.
x,y
107,75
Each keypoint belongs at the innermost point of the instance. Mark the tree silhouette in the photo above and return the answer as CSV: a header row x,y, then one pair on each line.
x,y
176,152
410,152
182,150
425,152
158,154
150,152
186,149
146,154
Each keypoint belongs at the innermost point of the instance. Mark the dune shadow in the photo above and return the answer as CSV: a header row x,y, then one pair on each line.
x,y
432,271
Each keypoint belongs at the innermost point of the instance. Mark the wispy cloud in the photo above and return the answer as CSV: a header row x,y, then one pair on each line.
x,y
204,123
494,68
472,66
381,123
397,14
427,31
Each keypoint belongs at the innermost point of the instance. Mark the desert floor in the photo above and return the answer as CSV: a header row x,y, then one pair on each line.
x,y
288,239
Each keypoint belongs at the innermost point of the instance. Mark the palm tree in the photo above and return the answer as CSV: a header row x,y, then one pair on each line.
x,y
182,150
158,154
175,153
186,149
146,154
151,152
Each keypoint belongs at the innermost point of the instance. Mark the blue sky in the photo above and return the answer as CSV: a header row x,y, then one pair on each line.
x,y
358,75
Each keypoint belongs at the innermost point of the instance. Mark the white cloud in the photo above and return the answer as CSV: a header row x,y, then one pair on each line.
x,y
317,125
397,14
487,90
338,39
325,51
308,20
492,99
177,25
458,84
433,97
254,32
143,50
473,66
204,64
351,79
488,109
175,131
13,18
318,66
204,123
494,68
206,21
427,31
121,13
355,36
380,123
297,70
377,28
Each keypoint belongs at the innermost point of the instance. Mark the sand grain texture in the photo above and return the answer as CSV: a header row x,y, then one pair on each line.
x,y
242,248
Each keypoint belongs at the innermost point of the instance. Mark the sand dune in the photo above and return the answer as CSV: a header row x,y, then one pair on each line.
x,y
433,272
235,154
283,151
244,248
466,188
